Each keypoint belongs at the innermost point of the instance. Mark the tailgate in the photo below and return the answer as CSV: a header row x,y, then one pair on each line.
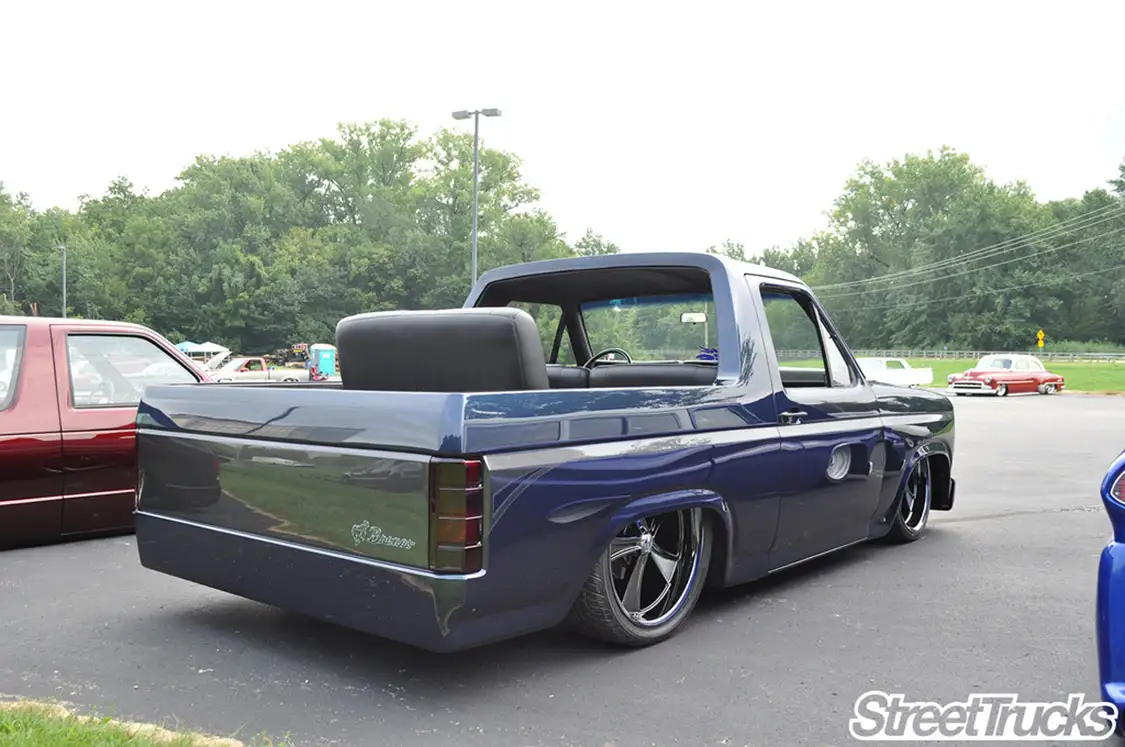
x,y
302,466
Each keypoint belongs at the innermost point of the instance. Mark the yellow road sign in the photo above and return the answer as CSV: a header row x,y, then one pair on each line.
x,y
1040,343
1040,335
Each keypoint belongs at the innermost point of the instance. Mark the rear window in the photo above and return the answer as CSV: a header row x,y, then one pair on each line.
x,y
654,328
11,354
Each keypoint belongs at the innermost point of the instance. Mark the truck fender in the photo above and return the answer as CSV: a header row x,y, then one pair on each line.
x,y
941,472
715,508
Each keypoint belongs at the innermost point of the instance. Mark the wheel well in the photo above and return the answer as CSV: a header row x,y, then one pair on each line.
x,y
940,471
720,548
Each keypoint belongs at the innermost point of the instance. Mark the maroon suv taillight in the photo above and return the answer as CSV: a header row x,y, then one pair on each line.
x,y
456,515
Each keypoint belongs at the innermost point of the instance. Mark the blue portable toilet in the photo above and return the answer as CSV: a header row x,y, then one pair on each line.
x,y
323,357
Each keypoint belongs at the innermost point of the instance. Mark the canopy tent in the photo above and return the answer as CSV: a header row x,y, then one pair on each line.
x,y
210,348
187,346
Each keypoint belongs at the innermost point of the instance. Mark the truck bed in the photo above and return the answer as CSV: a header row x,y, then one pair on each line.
x,y
305,496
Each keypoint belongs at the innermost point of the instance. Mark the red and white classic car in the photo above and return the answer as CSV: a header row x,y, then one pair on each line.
x,y
1003,374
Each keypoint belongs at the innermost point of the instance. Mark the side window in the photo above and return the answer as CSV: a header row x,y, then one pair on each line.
x,y
806,353
11,355
547,318
1021,365
113,370
254,365
896,365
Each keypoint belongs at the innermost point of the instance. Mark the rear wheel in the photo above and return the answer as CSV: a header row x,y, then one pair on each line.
x,y
647,581
913,507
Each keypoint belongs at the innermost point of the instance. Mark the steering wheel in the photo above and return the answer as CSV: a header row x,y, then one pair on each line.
x,y
607,351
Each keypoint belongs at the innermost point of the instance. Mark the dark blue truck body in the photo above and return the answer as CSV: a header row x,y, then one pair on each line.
x,y
321,499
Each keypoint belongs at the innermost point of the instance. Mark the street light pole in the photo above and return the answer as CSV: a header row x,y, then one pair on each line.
x,y
464,114
476,187
62,249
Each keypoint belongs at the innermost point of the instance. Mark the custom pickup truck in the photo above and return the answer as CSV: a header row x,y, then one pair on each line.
x,y
69,390
484,472
257,369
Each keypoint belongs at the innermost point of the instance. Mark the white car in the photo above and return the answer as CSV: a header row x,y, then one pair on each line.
x,y
895,371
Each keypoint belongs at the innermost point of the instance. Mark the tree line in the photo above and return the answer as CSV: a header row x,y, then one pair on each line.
x,y
263,251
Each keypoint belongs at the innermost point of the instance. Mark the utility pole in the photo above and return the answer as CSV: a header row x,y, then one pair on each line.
x,y
62,250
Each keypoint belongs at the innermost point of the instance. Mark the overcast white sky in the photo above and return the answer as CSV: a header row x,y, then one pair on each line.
x,y
662,129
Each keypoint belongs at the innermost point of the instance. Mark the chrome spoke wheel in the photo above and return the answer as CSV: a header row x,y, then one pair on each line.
x,y
917,497
653,565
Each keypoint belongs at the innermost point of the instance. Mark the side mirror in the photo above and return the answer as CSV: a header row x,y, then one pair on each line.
x,y
693,317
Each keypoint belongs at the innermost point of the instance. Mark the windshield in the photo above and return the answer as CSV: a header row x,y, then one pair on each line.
x,y
654,328
995,363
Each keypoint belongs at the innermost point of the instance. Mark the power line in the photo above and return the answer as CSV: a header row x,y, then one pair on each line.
x,y
996,249
977,269
1079,222
975,294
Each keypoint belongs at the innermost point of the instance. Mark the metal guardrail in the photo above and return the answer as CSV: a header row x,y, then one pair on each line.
x,y
960,355
794,355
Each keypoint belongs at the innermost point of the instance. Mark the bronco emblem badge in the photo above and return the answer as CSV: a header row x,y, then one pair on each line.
x,y
365,533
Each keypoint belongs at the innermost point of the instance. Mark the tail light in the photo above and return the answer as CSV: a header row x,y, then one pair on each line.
x,y
1117,490
456,515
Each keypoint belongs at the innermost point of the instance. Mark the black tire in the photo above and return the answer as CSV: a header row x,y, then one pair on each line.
x,y
1001,390
910,516
599,610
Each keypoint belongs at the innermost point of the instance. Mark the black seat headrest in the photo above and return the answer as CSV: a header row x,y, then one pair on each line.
x,y
451,350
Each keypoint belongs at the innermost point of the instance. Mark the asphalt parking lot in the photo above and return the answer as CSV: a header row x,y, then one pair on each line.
x,y
999,597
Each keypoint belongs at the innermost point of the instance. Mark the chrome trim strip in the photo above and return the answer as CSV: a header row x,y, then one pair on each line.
x,y
379,564
68,497
22,501
99,494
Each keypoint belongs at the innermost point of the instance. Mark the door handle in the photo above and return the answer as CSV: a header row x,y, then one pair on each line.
x,y
793,416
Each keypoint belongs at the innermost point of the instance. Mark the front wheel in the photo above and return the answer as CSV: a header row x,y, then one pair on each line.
x,y
1001,390
647,581
912,511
